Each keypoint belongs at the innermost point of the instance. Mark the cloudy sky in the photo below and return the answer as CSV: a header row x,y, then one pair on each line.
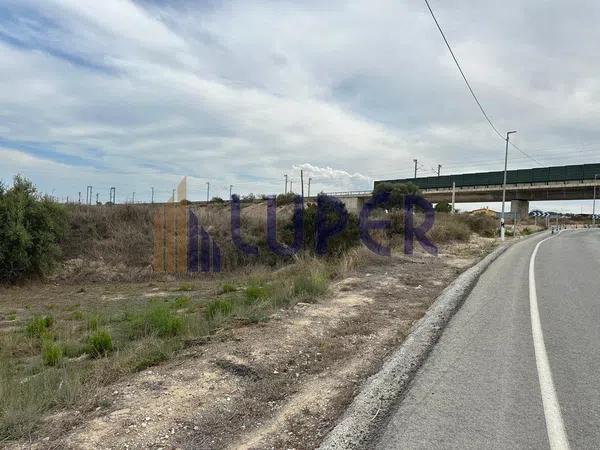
x,y
135,94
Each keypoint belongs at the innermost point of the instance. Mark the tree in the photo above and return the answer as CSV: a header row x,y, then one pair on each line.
x,y
397,193
31,227
443,207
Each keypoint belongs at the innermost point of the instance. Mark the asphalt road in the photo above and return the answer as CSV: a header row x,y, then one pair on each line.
x,y
482,385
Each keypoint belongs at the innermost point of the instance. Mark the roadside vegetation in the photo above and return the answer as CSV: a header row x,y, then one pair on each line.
x,y
31,227
58,357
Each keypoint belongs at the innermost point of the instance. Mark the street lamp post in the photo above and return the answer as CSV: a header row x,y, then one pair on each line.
x,y
594,204
504,185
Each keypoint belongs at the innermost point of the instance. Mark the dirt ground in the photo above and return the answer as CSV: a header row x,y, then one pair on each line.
x,y
278,384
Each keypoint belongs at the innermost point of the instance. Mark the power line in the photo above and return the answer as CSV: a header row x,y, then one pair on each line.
x,y
470,88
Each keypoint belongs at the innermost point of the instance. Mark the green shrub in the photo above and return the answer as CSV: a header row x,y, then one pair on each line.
x,y
337,244
219,308
228,288
285,199
255,291
72,349
51,352
94,322
310,286
75,315
38,326
481,224
180,302
443,207
31,227
100,343
450,229
159,319
148,352
397,193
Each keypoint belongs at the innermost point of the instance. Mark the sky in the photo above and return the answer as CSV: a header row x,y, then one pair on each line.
x,y
138,94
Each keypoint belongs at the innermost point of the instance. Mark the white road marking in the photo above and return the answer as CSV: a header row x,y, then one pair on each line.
x,y
554,422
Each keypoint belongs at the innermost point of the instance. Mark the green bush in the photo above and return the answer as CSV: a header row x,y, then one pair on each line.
x,y
51,352
100,343
180,302
443,207
337,244
219,308
73,349
256,292
285,199
94,322
310,286
228,288
481,224
38,326
397,193
31,227
158,319
449,228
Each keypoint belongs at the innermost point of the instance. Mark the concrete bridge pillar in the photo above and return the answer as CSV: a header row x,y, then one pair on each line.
x,y
521,207
353,204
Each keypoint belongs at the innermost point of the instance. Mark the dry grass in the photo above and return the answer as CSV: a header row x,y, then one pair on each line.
x,y
57,357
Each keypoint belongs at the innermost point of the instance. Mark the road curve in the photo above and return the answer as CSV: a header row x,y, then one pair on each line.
x,y
481,386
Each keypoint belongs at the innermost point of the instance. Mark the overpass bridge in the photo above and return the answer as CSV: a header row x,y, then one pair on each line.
x,y
574,182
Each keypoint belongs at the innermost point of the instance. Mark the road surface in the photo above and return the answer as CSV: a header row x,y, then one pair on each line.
x,y
481,386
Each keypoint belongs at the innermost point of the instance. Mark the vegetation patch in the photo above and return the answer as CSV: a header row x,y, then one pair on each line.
x,y
100,343
38,326
51,353
158,319
219,308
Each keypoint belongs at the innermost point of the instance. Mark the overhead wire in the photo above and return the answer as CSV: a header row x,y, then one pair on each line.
x,y
471,89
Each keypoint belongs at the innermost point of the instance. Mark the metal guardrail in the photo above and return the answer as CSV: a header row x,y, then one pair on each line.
x,y
348,193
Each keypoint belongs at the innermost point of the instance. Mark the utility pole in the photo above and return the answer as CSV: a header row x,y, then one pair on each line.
x,y
504,185
439,169
453,195
230,188
97,194
207,191
80,197
302,185
594,204
291,185
309,180
88,195
173,195
286,181
415,161
152,194
133,198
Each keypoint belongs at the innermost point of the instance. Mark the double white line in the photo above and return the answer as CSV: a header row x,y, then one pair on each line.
x,y
554,422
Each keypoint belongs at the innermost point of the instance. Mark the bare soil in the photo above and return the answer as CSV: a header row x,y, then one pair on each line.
x,y
282,383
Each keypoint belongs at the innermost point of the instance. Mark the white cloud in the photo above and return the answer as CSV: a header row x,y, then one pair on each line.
x,y
241,92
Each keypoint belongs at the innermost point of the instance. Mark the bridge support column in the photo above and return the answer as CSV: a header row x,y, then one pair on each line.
x,y
521,207
353,204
